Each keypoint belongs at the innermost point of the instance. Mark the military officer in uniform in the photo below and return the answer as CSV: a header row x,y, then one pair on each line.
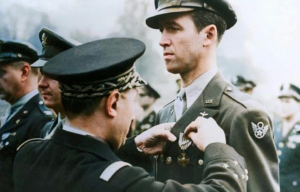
x,y
243,85
27,114
52,44
147,97
287,137
99,110
3,105
191,31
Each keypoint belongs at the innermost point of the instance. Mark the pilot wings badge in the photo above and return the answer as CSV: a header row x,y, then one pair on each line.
x,y
260,129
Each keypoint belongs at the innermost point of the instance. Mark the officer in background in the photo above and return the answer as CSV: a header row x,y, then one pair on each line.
x,y
99,110
147,97
243,85
52,44
191,31
3,104
27,114
287,137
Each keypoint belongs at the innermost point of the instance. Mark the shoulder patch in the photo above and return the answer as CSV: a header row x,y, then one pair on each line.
x,y
112,169
28,141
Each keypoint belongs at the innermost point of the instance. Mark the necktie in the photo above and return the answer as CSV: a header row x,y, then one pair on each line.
x,y
11,111
180,104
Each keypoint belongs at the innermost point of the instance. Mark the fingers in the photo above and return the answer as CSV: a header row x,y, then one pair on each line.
x,y
193,126
164,135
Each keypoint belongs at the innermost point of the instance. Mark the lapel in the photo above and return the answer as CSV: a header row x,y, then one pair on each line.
x,y
21,116
84,143
206,104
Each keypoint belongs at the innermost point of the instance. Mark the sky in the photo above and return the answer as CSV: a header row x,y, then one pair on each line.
x,y
264,45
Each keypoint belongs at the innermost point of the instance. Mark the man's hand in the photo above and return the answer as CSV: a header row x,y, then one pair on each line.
x,y
204,132
151,142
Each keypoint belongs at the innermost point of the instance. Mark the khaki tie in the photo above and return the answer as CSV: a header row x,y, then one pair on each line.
x,y
180,104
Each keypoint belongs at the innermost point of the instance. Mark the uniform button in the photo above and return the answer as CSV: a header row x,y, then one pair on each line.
x,y
7,143
295,183
280,145
25,112
200,162
41,102
229,89
19,55
169,160
279,152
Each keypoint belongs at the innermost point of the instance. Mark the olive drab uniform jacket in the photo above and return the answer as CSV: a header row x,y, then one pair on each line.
x,y
248,130
24,125
73,162
288,150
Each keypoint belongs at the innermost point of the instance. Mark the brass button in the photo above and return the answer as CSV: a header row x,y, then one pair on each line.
x,y
41,102
25,112
200,162
169,160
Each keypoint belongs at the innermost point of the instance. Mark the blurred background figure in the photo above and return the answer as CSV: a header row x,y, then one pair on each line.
x,y
3,104
147,97
27,114
52,44
287,137
243,85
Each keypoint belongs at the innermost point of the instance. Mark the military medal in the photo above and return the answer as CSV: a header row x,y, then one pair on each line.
x,y
183,160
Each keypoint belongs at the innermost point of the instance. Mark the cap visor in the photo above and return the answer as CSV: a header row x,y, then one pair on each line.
x,y
153,21
39,63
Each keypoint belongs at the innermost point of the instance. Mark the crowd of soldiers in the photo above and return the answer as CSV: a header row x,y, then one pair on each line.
x,y
72,126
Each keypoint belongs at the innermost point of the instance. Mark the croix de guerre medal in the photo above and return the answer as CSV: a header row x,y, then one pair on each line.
x,y
183,160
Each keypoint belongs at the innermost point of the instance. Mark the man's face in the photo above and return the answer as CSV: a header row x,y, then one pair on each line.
x,y
182,43
50,92
10,83
288,107
144,99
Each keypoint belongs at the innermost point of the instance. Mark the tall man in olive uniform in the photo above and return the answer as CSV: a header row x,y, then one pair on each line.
x,y
287,138
27,114
191,31
52,44
99,110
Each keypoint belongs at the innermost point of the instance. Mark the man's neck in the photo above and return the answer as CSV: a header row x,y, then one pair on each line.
x,y
204,65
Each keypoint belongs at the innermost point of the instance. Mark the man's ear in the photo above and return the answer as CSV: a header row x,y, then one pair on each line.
x,y
25,71
112,103
211,35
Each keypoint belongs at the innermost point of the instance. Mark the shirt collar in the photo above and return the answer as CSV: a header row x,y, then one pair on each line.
x,y
23,100
76,130
198,85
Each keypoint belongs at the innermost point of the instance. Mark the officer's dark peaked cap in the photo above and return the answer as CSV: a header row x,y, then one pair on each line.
x,y
52,44
152,92
96,68
218,7
240,81
11,51
289,90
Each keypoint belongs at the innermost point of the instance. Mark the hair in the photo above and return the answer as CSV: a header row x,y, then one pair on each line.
x,y
203,18
80,106
19,64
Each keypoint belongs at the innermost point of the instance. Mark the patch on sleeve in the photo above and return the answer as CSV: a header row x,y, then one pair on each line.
x,y
112,169
260,129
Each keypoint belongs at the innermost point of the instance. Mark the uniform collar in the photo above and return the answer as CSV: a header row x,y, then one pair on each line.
x,y
198,85
84,143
